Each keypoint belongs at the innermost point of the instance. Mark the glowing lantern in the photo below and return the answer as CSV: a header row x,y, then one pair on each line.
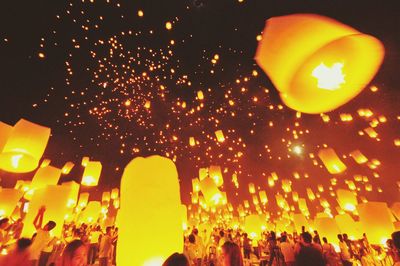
x,y
200,95
253,226
85,161
358,157
48,175
5,132
255,200
371,132
327,227
45,163
8,201
210,191
192,141
150,189
331,161
24,147
196,185
317,63
106,196
91,213
114,193
67,168
299,220
376,221
184,217
348,225
203,173
346,199
55,199
91,174
295,196
310,194
302,205
216,174
83,199
252,188
271,181
286,185
263,197
220,135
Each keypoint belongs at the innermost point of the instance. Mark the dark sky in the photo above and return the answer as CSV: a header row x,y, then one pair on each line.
x,y
42,90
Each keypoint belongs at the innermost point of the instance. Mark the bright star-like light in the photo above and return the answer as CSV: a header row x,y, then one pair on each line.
x,y
329,78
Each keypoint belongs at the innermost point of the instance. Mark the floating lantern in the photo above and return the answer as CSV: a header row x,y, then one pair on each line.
x,y
252,188
8,201
91,174
286,185
85,161
114,193
24,147
376,221
310,194
149,188
317,63
331,161
371,132
253,226
83,199
5,132
211,193
220,136
184,217
203,173
91,213
106,196
45,163
192,141
67,168
302,205
195,185
327,227
200,95
263,197
358,157
44,176
346,199
216,174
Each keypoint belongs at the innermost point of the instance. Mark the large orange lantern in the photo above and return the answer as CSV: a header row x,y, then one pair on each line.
x,y
24,147
327,227
347,199
5,132
150,205
253,226
331,161
8,201
48,175
91,213
91,174
215,173
317,63
211,193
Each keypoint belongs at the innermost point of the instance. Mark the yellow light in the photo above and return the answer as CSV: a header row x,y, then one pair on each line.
x,y
168,25
298,150
329,78
15,160
140,13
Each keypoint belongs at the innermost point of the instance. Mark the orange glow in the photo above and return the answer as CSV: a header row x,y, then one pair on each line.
x,y
329,78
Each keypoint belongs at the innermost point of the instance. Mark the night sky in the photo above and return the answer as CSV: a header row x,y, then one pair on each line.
x,y
114,85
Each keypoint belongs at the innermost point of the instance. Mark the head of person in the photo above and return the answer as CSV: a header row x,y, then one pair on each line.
x,y
306,238
245,235
221,233
49,226
3,223
315,232
192,239
75,254
176,259
325,240
283,238
23,244
195,231
396,240
345,237
231,254
340,237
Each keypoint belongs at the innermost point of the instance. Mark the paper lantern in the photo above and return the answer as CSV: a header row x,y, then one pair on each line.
x,y
358,157
192,141
85,161
348,226
331,161
106,196
45,162
184,217
317,63
203,173
299,220
310,194
55,199
253,226
346,199
91,213
44,176
376,221
8,201
5,132
220,136
252,188
286,185
327,227
114,193
215,173
302,205
150,205
211,193
83,200
91,174
67,168
263,197
200,95
195,185
24,147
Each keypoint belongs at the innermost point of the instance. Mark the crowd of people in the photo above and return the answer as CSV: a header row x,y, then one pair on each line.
x,y
82,245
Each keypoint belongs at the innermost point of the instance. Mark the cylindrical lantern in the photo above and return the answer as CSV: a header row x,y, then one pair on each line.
x,y
192,141
150,205
195,185
346,199
376,221
24,147
358,157
85,161
220,136
48,175
211,193
114,193
263,197
91,213
5,132
317,63
252,188
8,201
45,162
328,228
91,174
203,173
214,171
83,200
67,168
331,161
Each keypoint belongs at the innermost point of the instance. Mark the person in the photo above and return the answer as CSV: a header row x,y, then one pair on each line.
x,y
306,253
246,246
274,251
74,254
41,239
231,255
396,247
176,259
330,255
18,256
344,252
191,250
105,247
199,246
287,250
3,232
94,245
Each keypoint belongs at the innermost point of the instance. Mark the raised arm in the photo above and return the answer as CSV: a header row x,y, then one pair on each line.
x,y
38,221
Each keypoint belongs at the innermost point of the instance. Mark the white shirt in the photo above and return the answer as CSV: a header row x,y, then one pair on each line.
x,y
40,242
287,251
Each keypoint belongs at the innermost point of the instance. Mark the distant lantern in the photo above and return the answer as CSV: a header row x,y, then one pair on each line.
x,y
203,173
310,194
200,95
91,174
347,199
263,197
67,168
85,161
195,185
211,193
24,147
150,205
106,196
44,176
317,63
358,157
215,173
5,132
287,185
83,200
114,193
184,217
220,136
376,221
253,226
331,161
192,141
8,201
45,163
252,188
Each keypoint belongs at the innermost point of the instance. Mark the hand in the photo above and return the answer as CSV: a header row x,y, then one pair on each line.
x,y
42,209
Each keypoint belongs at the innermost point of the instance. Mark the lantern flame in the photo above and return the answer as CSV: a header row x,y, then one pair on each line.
x,y
329,78
15,160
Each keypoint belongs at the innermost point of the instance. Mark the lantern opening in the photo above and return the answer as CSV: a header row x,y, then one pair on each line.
x,y
329,78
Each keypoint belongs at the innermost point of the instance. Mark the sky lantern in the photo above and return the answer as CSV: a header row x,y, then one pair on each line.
x,y
200,95
91,175
220,136
358,157
331,161
286,185
253,226
214,171
45,163
8,201
91,213
192,141
48,175
67,168
106,196
203,173
317,63
348,225
195,185
83,199
376,221
346,199
263,197
310,194
211,193
5,132
184,217
24,147
150,205
327,227
114,193
252,188
85,161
